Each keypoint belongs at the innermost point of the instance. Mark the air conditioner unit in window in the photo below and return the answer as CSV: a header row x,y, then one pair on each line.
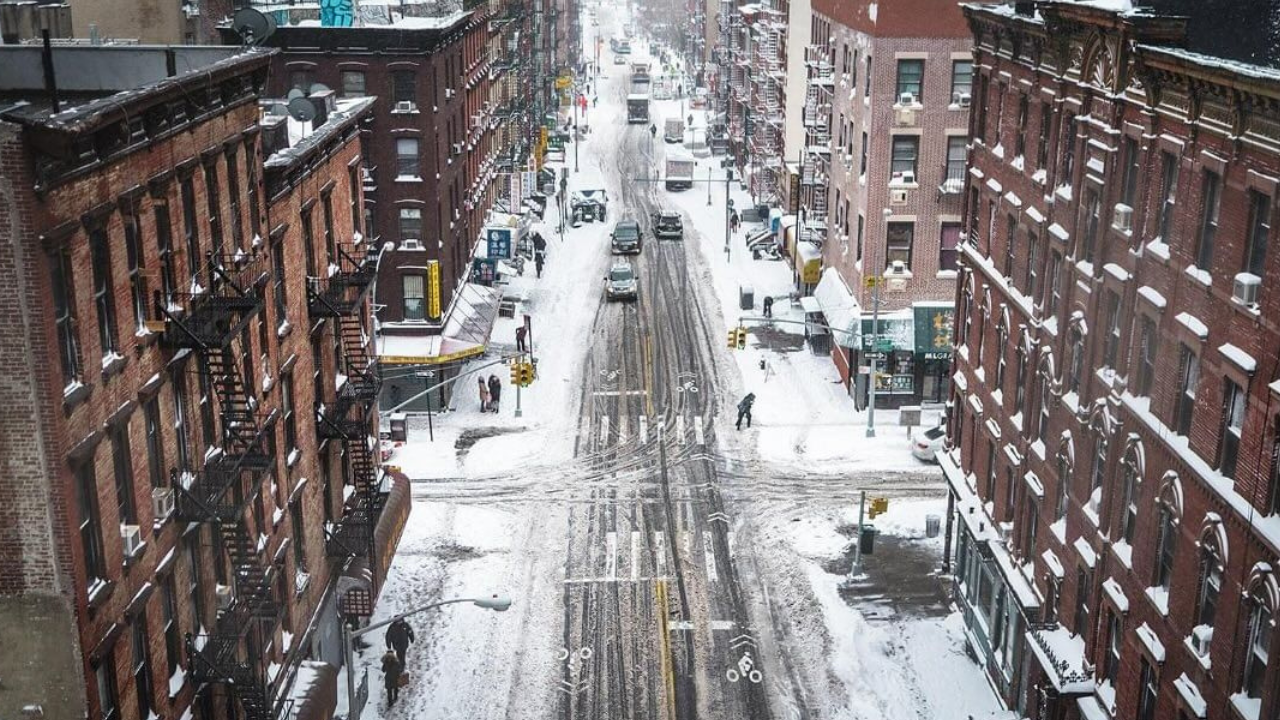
x,y
457,148
410,244
1245,289
404,106
908,177
132,537
907,98
1122,219
904,117
161,503
897,197
224,596
960,98
1201,638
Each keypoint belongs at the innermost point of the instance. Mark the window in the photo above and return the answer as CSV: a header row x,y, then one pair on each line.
x,y
90,525
326,216
352,83
1132,161
155,442
1010,245
251,184
1208,220
957,156
1210,587
299,541
1149,343
980,126
1096,472
1042,429
179,384
190,226
1275,471
1166,546
299,79
1032,279
1115,640
1129,519
308,243
105,678
1147,692
1066,172
415,307
865,152
287,413
1075,370
122,463
898,243
172,634
1169,192
1033,527
949,252
64,316
1020,380
1232,423
1055,284
1020,144
858,247
1184,403
1083,588
203,381
1002,342
407,158
215,207
404,87
103,301
906,150
1255,257
164,242
1111,341
233,193
1064,482
991,472
1093,216
133,255
1042,142
410,224
142,666
278,288
353,189
866,92
1257,653
910,80
961,78
191,545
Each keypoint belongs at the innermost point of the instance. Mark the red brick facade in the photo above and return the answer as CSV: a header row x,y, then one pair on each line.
x,y
1115,413
126,229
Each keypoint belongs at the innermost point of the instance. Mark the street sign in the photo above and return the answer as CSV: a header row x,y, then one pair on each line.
x,y
873,280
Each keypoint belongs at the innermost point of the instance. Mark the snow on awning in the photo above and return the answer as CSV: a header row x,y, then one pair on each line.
x,y
839,306
467,325
1061,656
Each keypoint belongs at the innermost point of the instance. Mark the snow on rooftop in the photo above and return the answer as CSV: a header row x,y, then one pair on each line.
x,y
1243,69
1061,654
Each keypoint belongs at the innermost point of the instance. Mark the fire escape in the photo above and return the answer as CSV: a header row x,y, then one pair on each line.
x,y
348,416
208,322
766,133
815,172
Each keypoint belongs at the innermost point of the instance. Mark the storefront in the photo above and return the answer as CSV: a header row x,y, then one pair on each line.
x,y
933,327
912,350
842,317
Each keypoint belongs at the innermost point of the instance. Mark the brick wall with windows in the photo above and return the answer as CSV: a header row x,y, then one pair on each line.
x,y
1151,420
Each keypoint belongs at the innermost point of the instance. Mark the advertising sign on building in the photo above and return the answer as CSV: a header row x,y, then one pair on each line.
x,y
484,271
934,330
433,289
499,242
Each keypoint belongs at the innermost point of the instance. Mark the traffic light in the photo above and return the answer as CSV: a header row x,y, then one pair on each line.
x,y
526,374
741,338
515,373
733,338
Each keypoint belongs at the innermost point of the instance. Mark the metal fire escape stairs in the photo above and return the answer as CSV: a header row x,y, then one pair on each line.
x,y
208,321
814,178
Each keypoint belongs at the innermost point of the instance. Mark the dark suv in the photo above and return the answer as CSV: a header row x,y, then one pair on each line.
x,y
626,237
668,225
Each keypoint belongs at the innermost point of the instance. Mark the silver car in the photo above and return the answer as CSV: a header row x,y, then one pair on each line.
x,y
620,283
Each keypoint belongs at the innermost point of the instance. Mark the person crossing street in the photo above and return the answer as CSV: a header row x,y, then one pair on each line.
x,y
744,410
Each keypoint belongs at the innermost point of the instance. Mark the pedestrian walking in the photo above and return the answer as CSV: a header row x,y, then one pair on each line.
x,y
399,635
521,332
744,410
495,393
484,395
539,258
391,672
768,306
734,221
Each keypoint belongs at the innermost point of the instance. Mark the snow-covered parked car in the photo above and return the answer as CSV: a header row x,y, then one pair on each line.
x,y
588,205
926,444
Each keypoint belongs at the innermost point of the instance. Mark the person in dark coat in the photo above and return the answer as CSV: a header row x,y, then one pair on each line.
x,y
539,258
520,335
391,670
768,306
399,635
744,410
495,392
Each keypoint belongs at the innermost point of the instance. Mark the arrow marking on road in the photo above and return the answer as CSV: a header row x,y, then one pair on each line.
x,y
709,553
713,517
682,625
635,554
622,429
741,640
660,553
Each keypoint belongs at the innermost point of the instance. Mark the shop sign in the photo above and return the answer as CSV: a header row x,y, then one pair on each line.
x,y
811,273
895,332
433,289
499,242
933,331
484,271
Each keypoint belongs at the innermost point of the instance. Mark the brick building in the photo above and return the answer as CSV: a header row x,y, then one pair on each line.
x,y
188,22
886,115
199,402
1113,462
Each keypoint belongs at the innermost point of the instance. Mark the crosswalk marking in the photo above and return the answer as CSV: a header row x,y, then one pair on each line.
x,y
686,542
611,555
604,429
680,429
622,429
660,553
644,429
728,540
635,554
709,554
698,436
662,432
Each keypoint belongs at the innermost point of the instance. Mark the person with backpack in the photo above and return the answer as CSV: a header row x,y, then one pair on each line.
x,y
744,410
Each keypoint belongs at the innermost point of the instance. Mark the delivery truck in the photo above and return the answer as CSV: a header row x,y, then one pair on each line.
x,y
679,171
673,130
637,108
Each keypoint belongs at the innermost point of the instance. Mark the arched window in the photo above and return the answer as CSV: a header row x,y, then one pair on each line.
x,y
1261,604
1213,560
1020,375
1045,395
1169,513
1131,473
1076,361
1002,342
1066,457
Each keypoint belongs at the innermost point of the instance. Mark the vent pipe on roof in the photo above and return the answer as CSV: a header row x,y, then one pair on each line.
x,y
50,80
94,37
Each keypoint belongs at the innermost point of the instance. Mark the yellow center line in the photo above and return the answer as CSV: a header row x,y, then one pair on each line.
x,y
668,674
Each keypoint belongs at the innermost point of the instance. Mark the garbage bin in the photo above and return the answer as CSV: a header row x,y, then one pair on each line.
x,y
746,297
399,427
932,526
867,540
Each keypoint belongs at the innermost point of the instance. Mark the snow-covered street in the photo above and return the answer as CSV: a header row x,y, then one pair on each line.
x,y
662,563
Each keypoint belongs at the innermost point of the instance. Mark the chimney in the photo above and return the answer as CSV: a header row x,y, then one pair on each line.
x,y
275,134
324,102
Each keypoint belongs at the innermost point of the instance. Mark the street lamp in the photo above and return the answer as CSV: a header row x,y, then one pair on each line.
x,y
875,337
495,602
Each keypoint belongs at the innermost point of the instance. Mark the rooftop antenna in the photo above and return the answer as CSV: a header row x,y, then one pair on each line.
x,y
302,110
252,26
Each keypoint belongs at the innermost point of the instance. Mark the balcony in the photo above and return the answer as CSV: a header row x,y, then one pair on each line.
x,y
221,302
342,293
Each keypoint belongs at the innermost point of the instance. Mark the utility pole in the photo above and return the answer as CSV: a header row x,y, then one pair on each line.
x,y
575,134
871,378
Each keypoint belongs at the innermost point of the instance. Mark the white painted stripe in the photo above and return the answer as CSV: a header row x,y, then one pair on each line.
x,y
604,430
721,624
635,554
728,540
611,555
681,625
601,580
686,541
709,554
622,429
680,429
644,430
660,553
618,393
698,436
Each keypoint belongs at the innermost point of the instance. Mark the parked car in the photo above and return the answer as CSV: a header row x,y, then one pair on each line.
x,y
620,283
626,237
926,444
588,205
668,225
619,60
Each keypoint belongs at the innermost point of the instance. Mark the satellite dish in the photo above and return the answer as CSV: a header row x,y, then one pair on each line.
x,y
317,88
279,110
252,26
302,110
296,93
